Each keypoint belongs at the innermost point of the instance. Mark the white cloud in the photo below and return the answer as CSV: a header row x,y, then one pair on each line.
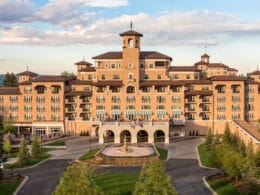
x,y
174,28
16,11
106,3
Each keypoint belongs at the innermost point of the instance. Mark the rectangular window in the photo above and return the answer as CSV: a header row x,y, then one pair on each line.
x,y
103,77
113,66
116,77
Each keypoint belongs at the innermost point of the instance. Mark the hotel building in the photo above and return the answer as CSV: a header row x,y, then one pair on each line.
x,y
137,94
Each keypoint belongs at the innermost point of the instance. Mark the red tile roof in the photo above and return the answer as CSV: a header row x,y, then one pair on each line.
x,y
80,82
130,33
228,78
109,83
79,93
83,62
205,55
51,78
88,69
27,73
143,55
183,69
198,92
201,63
9,91
232,69
257,72
25,83
172,82
217,65
249,128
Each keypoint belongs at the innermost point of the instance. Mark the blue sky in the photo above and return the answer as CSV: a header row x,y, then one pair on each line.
x,y
50,36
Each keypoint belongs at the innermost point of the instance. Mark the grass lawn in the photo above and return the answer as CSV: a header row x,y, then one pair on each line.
x,y
89,154
8,188
42,157
117,183
204,156
223,186
163,153
56,143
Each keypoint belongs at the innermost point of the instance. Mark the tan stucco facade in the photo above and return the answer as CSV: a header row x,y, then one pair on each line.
x,y
133,86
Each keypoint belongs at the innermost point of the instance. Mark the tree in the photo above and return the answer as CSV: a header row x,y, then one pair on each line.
x,y
78,179
153,180
23,154
7,146
227,137
209,140
10,80
250,160
35,147
232,164
67,74
1,146
8,127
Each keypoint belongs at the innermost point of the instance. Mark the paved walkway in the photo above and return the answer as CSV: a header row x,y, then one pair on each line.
x,y
184,167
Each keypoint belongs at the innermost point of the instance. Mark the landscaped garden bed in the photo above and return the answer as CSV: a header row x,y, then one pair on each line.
x,y
9,183
238,161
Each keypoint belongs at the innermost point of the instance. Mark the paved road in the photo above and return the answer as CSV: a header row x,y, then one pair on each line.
x,y
184,167
44,178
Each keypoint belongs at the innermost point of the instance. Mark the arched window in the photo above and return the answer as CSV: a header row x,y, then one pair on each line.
x,y
130,89
130,43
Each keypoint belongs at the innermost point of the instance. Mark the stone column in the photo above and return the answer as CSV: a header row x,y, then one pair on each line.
x,y
100,138
134,137
150,137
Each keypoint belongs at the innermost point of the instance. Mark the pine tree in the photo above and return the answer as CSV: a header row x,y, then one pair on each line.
x,y
250,159
209,140
154,180
35,147
7,146
23,154
227,137
10,80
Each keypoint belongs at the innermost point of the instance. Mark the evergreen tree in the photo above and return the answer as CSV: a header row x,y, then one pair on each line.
x,y
257,162
153,180
217,139
7,146
209,140
227,137
10,80
250,159
35,147
23,154
1,146
78,179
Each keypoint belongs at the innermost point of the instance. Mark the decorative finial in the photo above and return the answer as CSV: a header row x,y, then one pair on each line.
x,y
27,68
257,67
131,23
83,58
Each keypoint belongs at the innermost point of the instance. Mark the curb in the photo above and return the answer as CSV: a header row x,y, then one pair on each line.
x,y
204,178
25,168
21,185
